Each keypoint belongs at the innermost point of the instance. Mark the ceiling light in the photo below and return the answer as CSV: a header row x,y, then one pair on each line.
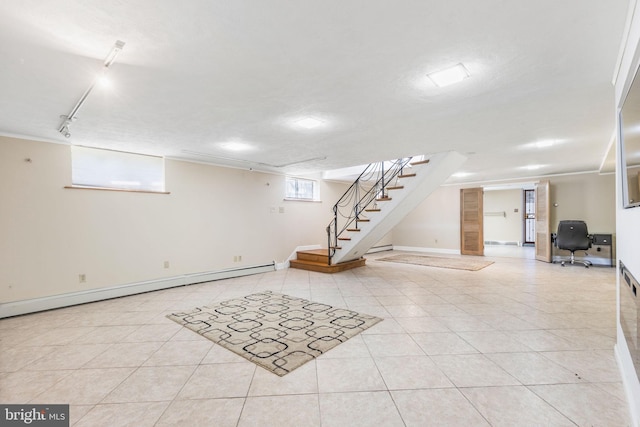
x,y
103,81
449,76
64,129
308,123
542,144
461,174
532,167
235,146
545,143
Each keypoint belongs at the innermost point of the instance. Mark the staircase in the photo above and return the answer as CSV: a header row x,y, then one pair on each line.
x,y
318,260
375,203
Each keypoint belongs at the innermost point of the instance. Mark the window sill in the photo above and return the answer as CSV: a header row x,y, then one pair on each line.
x,y
302,200
123,190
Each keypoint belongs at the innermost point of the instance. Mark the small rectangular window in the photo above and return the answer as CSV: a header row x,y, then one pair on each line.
x,y
93,167
301,189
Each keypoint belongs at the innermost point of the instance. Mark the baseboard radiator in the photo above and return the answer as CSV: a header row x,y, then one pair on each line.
x,y
33,305
502,243
630,313
381,248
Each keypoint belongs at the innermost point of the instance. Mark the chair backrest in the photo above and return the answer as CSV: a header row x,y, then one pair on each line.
x,y
573,235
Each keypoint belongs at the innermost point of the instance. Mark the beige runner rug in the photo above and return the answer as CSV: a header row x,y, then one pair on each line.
x,y
442,262
276,331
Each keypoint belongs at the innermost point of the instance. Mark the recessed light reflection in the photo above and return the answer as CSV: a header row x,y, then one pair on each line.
x,y
461,174
308,123
532,167
542,144
632,130
103,81
235,146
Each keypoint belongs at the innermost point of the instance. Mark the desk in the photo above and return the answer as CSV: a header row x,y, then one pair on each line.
x,y
600,254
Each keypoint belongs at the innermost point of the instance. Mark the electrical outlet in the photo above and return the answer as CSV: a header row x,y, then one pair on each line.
x,y
239,258
82,278
166,264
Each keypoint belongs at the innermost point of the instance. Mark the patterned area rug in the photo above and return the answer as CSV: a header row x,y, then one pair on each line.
x,y
278,332
442,262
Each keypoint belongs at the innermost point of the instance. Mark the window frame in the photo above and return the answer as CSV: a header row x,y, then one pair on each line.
x,y
315,189
123,165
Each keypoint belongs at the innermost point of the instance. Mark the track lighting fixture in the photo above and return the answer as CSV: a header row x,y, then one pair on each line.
x,y
69,118
65,131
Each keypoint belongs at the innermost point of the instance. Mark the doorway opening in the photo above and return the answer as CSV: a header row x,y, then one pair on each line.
x,y
529,217
510,228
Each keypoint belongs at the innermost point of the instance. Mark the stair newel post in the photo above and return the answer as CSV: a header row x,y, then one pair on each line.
x,y
356,204
382,178
329,243
333,237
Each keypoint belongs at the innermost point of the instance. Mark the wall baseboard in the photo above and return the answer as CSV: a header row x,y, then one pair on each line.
x,y
381,248
432,250
33,305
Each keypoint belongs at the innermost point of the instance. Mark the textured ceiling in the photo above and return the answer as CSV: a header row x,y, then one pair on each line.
x,y
196,75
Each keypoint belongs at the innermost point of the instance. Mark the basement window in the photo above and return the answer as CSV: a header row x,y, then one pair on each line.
x,y
301,189
116,170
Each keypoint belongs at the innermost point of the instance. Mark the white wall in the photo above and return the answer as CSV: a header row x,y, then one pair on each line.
x,y
435,224
627,220
587,197
507,227
50,234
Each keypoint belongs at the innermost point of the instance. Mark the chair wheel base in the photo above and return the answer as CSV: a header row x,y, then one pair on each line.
x,y
586,264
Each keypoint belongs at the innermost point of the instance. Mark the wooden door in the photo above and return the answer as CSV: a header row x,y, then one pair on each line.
x,y
543,232
471,221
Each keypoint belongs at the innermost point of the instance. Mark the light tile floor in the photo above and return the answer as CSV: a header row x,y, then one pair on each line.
x,y
517,343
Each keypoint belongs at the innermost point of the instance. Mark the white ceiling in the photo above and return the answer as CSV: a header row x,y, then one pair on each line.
x,y
197,74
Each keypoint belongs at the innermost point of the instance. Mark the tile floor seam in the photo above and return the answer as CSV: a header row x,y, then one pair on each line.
x,y
107,394
553,406
459,390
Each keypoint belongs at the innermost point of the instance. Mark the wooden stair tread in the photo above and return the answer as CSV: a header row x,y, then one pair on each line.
x,y
419,162
344,238
314,255
353,229
363,219
372,210
407,175
383,199
325,267
315,251
397,187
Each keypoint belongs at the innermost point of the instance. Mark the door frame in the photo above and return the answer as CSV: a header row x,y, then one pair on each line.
x,y
543,231
472,221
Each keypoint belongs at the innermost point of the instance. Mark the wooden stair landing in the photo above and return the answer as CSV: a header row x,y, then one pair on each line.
x,y
318,260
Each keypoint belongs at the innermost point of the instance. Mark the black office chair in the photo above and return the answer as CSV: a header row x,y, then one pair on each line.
x,y
573,236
